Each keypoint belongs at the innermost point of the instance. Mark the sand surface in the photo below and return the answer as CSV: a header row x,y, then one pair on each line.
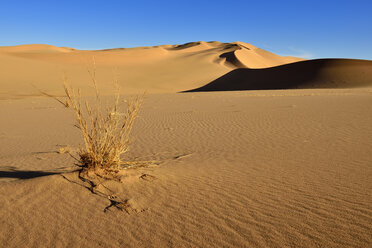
x,y
267,168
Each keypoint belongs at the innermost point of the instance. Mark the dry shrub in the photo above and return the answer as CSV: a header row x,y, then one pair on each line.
x,y
105,130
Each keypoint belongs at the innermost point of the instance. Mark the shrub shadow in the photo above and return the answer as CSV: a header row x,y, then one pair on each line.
x,y
23,174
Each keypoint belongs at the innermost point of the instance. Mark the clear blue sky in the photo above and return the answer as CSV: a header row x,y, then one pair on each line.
x,y
307,28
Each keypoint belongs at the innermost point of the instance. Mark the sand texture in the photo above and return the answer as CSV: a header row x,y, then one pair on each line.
x,y
260,168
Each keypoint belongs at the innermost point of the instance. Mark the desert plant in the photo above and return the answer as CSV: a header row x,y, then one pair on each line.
x,y
105,131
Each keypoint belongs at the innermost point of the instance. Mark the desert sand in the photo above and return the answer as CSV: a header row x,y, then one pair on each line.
x,y
247,166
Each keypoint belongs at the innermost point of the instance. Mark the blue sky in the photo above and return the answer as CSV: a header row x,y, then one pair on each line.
x,y
311,29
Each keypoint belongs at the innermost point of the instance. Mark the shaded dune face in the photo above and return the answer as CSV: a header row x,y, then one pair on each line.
x,y
310,74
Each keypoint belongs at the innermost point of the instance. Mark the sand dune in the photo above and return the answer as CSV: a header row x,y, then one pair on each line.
x,y
172,68
311,74
159,69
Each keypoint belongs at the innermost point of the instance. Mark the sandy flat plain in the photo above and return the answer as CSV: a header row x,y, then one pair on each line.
x,y
258,168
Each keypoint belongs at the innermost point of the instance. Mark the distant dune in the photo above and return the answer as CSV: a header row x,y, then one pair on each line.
x,y
194,66
35,48
318,73
158,69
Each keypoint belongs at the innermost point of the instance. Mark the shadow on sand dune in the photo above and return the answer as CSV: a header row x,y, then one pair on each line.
x,y
309,74
20,174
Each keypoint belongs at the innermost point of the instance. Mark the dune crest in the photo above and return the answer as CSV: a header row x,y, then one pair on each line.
x,y
244,55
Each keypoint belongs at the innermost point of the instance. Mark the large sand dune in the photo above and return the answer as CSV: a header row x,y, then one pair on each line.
x,y
268,168
310,74
160,69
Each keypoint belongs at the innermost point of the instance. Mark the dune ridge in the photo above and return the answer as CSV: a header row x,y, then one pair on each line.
x,y
310,74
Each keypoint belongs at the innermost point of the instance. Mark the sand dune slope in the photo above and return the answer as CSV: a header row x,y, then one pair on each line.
x,y
319,73
166,68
